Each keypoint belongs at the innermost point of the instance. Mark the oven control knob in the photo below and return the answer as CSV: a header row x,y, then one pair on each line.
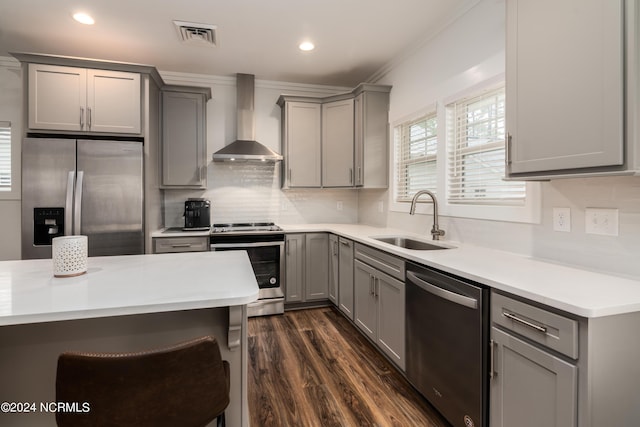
x,y
272,280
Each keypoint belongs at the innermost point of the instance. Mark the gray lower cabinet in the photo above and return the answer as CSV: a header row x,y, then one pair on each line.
x,y
334,268
531,387
162,245
551,368
316,266
184,148
535,365
294,266
307,267
346,277
379,309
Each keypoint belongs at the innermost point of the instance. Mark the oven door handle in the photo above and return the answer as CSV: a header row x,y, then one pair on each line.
x,y
442,293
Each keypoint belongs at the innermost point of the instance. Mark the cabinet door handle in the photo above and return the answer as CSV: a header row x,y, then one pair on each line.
x,y
345,243
350,175
507,149
371,285
492,371
81,118
526,323
376,287
359,175
181,245
335,247
89,118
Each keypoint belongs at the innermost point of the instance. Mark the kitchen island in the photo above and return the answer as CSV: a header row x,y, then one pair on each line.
x,y
122,303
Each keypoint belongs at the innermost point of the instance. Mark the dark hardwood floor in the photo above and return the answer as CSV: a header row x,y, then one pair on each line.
x,y
313,368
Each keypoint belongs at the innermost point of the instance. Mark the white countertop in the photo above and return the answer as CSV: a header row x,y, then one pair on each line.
x,y
123,285
577,291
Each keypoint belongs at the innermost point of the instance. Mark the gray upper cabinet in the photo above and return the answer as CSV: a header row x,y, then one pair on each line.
x,y
336,141
184,148
337,144
566,111
371,112
301,137
77,99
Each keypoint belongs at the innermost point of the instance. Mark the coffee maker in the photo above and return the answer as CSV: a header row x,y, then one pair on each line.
x,y
197,215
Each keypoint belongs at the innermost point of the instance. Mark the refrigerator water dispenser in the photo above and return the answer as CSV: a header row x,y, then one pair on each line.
x,y
47,224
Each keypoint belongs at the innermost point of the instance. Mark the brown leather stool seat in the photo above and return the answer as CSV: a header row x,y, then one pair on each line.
x,y
183,385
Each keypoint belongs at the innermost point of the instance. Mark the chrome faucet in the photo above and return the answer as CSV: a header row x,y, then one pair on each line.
x,y
435,230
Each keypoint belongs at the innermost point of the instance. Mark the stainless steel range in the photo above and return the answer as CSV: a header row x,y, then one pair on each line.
x,y
264,243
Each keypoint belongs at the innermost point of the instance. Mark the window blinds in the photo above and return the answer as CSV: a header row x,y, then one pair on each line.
x,y
5,156
476,152
416,149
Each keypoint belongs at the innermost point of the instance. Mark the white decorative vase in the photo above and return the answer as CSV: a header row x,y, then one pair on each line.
x,y
69,254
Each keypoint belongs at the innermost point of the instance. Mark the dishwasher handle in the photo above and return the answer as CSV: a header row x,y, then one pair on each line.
x,y
442,293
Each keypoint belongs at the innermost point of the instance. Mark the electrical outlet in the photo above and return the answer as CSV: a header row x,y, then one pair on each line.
x,y
562,219
380,206
601,221
339,207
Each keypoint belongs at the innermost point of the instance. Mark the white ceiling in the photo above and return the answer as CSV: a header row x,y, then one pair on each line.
x,y
354,39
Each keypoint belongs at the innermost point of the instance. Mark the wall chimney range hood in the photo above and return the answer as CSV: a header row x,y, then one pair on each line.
x,y
246,148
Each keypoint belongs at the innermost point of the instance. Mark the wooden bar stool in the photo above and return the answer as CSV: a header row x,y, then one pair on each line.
x,y
183,385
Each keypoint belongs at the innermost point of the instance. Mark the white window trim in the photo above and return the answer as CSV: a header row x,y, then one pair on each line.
x,y
530,212
393,167
14,193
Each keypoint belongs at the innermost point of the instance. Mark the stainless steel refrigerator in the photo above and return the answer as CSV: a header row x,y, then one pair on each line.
x,y
79,186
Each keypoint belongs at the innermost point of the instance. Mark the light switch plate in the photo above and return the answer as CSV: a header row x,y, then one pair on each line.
x,y
339,206
601,221
562,219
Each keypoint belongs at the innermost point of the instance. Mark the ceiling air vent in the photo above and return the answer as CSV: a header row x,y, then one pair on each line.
x,y
196,34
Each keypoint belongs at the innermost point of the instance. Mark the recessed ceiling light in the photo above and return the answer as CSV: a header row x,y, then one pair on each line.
x,y
83,18
306,46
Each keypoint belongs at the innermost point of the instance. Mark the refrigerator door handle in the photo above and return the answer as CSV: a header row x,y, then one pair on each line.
x,y
77,205
68,204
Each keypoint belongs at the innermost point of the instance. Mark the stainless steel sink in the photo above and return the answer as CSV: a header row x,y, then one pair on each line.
x,y
411,243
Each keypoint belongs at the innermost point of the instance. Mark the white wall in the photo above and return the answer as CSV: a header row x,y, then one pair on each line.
x,y
466,53
11,111
249,191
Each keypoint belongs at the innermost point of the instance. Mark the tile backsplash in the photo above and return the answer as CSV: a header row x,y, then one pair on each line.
x,y
249,191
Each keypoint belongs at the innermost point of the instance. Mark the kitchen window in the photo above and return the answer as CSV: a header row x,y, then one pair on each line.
x,y
457,151
5,156
476,153
416,143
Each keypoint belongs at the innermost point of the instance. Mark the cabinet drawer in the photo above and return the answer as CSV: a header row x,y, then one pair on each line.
x,y
384,262
180,244
552,330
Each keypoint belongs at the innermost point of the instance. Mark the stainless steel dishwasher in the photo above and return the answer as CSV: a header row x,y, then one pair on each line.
x,y
447,333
